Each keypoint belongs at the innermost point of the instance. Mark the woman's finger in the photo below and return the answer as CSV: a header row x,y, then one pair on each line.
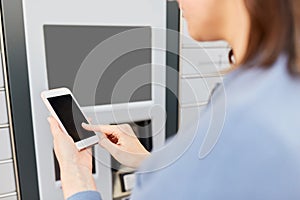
x,y
109,146
106,129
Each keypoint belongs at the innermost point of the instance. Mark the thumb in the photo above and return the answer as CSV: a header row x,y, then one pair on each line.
x,y
55,130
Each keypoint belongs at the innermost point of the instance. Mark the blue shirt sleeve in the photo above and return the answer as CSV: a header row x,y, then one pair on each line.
x,y
86,195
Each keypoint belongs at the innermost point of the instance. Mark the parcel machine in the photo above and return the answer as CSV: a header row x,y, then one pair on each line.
x,y
111,54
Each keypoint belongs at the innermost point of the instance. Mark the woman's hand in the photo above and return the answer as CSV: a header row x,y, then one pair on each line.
x,y
75,166
121,142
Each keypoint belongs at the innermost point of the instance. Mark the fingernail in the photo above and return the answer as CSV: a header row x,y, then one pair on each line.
x,y
83,124
48,119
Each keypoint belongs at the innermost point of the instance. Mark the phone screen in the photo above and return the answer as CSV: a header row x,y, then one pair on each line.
x,y
70,116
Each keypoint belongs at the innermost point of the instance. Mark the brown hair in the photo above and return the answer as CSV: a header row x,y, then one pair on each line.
x,y
272,32
296,6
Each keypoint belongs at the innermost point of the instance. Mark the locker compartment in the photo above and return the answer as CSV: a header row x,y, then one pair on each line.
x,y
198,90
1,74
3,109
9,198
208,56
202,69
5,145
189,116
7,181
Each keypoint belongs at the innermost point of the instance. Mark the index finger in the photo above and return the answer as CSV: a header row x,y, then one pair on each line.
x,y
106,129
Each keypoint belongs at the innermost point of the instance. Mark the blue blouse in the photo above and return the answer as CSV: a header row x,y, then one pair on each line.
x,y
246,144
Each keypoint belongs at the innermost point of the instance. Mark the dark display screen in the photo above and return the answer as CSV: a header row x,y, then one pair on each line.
x,y
70,116
100,64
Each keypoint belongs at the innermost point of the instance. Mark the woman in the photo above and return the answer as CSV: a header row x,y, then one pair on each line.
x,y
257,155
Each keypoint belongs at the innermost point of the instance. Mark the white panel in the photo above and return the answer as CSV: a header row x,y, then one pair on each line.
x,y
129,181
202,69
9,198
189,116
90,12
204,60
198,90
5,146
7,180
1,73
3,109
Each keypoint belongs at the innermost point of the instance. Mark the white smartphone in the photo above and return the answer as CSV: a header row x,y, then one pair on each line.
x,y
65,109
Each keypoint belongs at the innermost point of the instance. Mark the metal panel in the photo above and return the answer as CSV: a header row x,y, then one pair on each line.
x,y
172,79
208,69
12,14
95,13
200,56
190,116
198,90
8,197
14,52
1,74
3,108
7,182
5,145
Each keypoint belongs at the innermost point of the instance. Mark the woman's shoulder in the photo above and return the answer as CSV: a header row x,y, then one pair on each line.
x,y
271,91
262,107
